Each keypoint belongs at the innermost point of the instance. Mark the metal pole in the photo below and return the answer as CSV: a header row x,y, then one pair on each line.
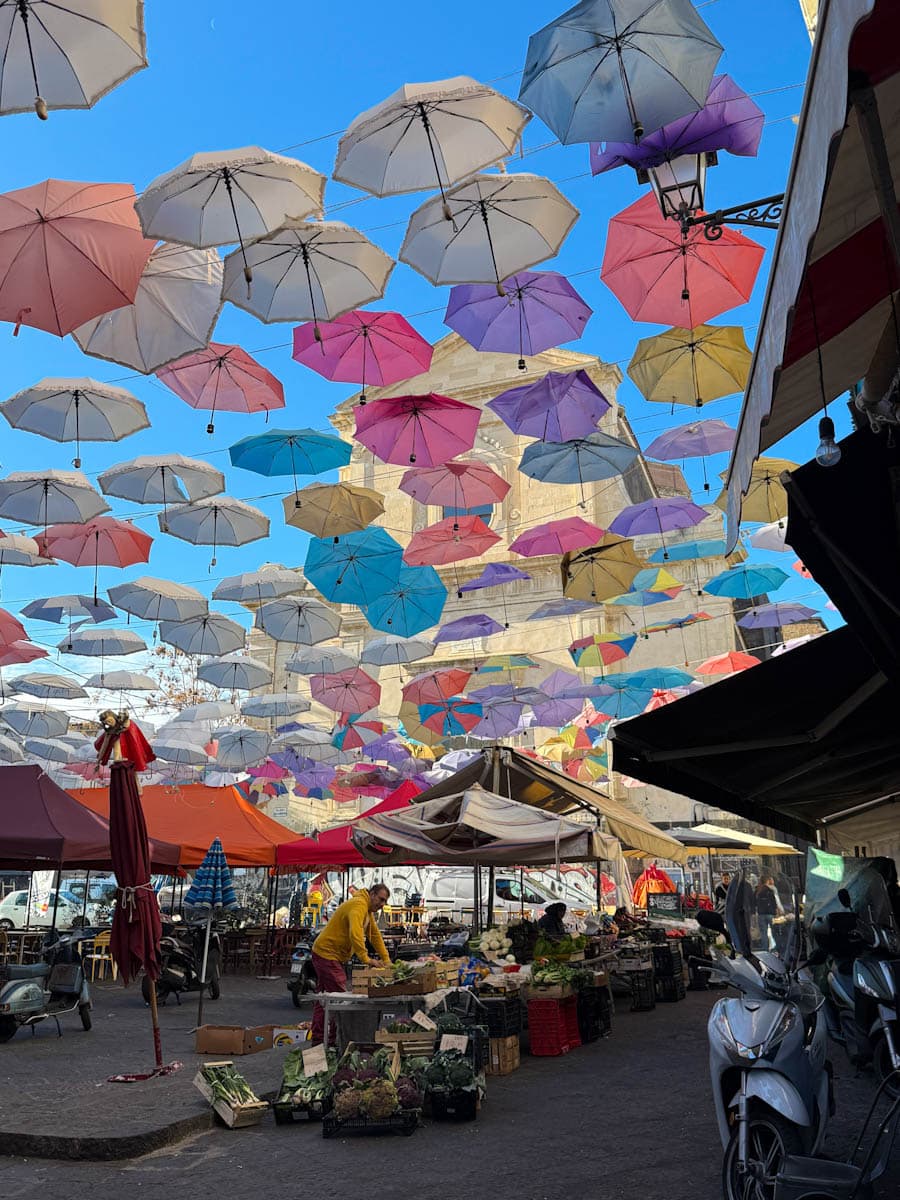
x,y
599,887
56,888
87,884
203,970
28,900
489,915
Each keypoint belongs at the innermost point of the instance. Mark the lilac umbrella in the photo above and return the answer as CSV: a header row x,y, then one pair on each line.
x,y
539,310
695,440
478,625
658,516
386,749
318,775
729,120
565,695
493,575
771,616
563,607
557,408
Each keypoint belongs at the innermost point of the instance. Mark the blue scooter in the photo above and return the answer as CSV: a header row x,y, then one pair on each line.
x,y
33,992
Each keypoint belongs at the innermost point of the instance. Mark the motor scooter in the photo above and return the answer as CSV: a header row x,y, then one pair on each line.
x,y
181,957
34,992
302,978
771,1080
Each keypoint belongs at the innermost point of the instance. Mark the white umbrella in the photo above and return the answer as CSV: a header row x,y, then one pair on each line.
x,y
186,754
242,748
217,521
65,55
275,704
792,644
30,721
76,410
162,479
102,642
49,749
209,711
222,779
211,633
17,550
429,134
235,671
49,497
320,660
10,750
175,309
47,686
308,271
57,609
392,649
123,681
498,225
311,743
767,537
269,582
299,620
158,599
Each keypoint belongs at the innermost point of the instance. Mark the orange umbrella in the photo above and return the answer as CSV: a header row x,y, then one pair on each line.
x,y
727,664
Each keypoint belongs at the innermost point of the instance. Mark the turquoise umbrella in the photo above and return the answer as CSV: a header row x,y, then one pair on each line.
x,y
746,581
412,603
290,452
356,569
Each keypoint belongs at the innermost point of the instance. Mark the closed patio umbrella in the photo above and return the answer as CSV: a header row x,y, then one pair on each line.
x,y
211,889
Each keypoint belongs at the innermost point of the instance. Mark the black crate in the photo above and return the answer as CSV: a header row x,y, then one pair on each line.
x,y
643,993
286,1113
667,960
594,1014
657,936
402,1122
453,1106
669,989
503,1016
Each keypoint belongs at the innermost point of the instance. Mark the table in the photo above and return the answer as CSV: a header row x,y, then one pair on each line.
x,y
336,1003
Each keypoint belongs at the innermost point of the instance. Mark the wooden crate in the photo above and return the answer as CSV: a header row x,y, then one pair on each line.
x,y
235,1116
362,977
503,1056
423,981
393,1069
548,991
410,1045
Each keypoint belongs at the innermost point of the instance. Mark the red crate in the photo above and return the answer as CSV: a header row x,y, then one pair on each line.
x,y
551,1024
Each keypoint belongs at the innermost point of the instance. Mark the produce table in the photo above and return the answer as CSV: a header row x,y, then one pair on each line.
x,y
349,1004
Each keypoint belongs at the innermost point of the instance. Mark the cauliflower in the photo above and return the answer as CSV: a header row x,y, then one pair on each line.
x,y
347,1103
408,1093
378,1100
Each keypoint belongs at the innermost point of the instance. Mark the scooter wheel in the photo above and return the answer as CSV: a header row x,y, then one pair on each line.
x,y
770,1139
295,996
8,1027
84,1011
215,990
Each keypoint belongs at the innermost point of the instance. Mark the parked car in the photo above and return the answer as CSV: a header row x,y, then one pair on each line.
x,y
14,911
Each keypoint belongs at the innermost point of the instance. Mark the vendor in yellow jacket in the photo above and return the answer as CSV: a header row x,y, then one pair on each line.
x,y
345,935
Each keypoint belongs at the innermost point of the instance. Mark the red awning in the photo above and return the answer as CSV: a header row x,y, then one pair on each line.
x,y
334,847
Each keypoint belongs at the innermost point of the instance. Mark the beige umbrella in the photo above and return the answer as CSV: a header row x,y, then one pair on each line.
x,y
330,509
766,499
691,366
601,572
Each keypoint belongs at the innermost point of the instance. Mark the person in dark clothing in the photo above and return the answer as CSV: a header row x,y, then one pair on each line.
x,y
552,920
721,892
768,907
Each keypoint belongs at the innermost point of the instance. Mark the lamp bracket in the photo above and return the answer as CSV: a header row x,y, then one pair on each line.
x,y
761,214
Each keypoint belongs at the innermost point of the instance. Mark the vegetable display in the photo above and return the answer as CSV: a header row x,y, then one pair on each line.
x,y
362,1087
559,947
450,1071
229,1086
400,973
301,1089
497,946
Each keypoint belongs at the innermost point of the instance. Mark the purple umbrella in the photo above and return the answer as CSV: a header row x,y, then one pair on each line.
x,y
493,575
562,607
556,408
539,310
771,616
291,761
386,749
658,516
729,120
695,440
317,776
477,626
565,695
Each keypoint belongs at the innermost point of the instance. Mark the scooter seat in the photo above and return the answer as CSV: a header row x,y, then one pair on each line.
x,y
12,971
802,1177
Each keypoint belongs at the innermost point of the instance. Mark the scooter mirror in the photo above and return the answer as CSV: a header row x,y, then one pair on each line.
x,y
711,920
844,897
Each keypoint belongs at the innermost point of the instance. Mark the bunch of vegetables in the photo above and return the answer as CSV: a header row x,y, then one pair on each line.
x,y
497,946
228,1085
450,1071
400,973
553,973
523,935
301,1089
559,947
449,1022
402,1025
362,1087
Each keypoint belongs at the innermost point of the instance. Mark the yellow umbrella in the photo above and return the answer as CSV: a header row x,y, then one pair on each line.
x,y
330,509
602,572
588,770
766,499
415,730
691,366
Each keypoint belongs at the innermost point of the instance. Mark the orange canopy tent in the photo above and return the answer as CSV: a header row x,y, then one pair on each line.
x,y
192,815
652,881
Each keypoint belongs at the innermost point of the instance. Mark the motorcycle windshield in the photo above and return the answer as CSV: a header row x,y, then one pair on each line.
x,y
761,913
866,881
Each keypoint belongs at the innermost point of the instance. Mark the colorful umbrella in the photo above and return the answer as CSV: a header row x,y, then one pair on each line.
x,y
601,649
663,274
476,625
104,541
290,452
747,580
211,889
434,686
451,540
217,521
535,311
765,498
300,620
601,572
428,430
333,509
357,569
650,586
691,366
727,664
223,378
452,717
564,699
42,497
774,616
351,691
581,460
658,516
677,623
354,734
457,484
375,348
556,537
557,408
616,700
413,603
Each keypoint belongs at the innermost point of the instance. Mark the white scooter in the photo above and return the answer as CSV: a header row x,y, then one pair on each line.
x,y
34,992
770,1076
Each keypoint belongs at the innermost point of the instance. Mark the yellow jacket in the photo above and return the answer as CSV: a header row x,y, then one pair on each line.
x,y
346,932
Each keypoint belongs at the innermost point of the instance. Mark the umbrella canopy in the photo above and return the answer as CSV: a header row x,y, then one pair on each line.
x,y
662,678
40,497
765,498
290,452
351,691
137,928
494,575
158,599
68,608
212,887
235,672
428,430
223,378
553,609
664,274
125,681
727,664
579,460
48,686
274,704
356,569
613,69
747,580
773,616
76,410
433,686
475,625
695,440
301,620
307,271
535,311
11,629
209,633
17,550
332,509
102,643
452,717
413,603
457,484
162,479
557,408
216,521
68,252
29,720
497,225
392,649
19,651
691,366
658,516
269,582
650,586
451,540
103,541
355,734
174,311
320,660
377,348
241,748
601,572
602,649
556,537
10,750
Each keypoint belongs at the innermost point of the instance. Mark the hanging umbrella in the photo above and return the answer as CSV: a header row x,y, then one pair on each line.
x,y
320,660
351,691
557,408
664,274
19,651
162,479
476,625
556,537
47,686
497,225
377,348
791,644
601,649
235,671
768,537
613,68
457,484
451,717
11,629
580,460
307,271
433,686
274,704
381,652
300,620
615,701
695,440
41,497
68,608
536,311
662,678
333,509
123,681
207,714
357,569
10,751
774,616
451,540
104,541
494,575
211,633
241,748
602,571
211,889
691,366
650,586
553,609
223,378
429,134
564,697
500,715
354,734
158,599
68,252
658,516
28,720
182,752
685,551
765,498
413,603
102,643
49,750
747,580
290,452
727,664
76,410
217,521
269,582
16,550
174,311
428,430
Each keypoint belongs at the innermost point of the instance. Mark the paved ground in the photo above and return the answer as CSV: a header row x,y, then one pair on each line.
x,y
628,1117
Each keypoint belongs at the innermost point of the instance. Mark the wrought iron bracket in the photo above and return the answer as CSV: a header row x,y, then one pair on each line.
x,y
761,214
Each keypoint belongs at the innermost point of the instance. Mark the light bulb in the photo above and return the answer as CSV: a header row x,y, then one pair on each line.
x,y
828,452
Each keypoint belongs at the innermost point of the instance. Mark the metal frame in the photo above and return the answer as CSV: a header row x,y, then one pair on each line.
x,y
760,214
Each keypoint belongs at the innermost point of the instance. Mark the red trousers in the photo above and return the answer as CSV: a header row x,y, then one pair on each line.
x,y
330,977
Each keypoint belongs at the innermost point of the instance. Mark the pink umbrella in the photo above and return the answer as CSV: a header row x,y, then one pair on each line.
x,y
19,651
457,484
660,698
225,379
363,347
68,253
428,430
449,541
801,569
101,542
557,537
664,275
11,629
350,691
727,664
268,770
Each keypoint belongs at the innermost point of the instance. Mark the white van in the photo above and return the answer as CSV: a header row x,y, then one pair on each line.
x,y
451,892
14,912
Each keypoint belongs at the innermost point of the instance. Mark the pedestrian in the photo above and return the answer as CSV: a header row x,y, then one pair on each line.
x,y
768,906
345,935
720,895
552,921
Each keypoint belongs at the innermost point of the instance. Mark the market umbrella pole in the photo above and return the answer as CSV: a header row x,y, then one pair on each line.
x,y
57,886
489,915
203,970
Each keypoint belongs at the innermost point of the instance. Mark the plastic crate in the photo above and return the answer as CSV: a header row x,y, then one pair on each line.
x,y
406,1122
669,989
454,1106
553,1026
503,1015
667,960
657,936
643,992
594,1014
286,1113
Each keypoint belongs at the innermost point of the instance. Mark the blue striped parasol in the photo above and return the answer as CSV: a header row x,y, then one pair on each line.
x,y
212,886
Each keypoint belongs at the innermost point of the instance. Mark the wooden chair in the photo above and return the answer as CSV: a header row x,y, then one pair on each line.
x,y
98,954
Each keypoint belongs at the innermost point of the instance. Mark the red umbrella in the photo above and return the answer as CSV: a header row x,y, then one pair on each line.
x,y
434,686
663,275
455,485
11,629
449,541
351,691
225,379
727,664
101,542
13,653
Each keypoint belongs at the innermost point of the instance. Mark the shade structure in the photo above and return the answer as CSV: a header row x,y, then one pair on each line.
x,y
102,643
412,604
162,479
580,460
158,599
333,847
377,348
604,570
307,271
556,537
213,890
694,440
350,691
223,378
76,410
557,408
727,664
775,615
43,497
174,312
320,660
663,274
216,521
451,540
498,225
68,252
356,734
290,452
762,846
357,568
747,580
427,430
765,498
136,927
210,633
536,311
332,509
11,628
268,582
691,366
458,484
301,620
68,608
235,672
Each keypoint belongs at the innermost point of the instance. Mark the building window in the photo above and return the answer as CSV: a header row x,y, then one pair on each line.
x,y
485,511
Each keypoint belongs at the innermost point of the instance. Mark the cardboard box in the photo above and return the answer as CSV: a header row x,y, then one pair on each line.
x,y
235,1116
290,1035
233,1039
504,1056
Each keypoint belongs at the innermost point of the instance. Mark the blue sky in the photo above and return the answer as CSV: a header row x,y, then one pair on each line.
x,y
222,75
